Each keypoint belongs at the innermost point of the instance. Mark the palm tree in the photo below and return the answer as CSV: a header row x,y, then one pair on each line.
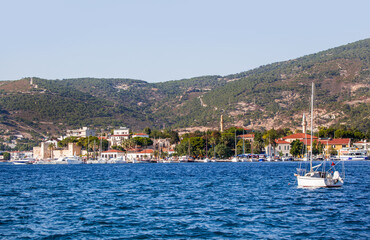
x,y
270,138
257,145
156,154
51,148
127,144
213,142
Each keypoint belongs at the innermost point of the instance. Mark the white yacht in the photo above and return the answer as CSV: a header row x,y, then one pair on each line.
x,y
120,159
69,160
235,159
353,154
23,161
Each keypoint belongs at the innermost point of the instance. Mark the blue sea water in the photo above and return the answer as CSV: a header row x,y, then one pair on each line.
x,y
179,201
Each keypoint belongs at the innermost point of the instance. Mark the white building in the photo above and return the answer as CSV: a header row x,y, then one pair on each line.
x,y
145,154
119,135
283,147
112,154
82,132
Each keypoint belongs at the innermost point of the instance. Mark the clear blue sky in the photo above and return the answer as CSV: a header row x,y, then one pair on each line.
x,y
161,40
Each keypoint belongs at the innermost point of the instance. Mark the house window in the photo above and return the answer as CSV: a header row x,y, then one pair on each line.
x,y
343,145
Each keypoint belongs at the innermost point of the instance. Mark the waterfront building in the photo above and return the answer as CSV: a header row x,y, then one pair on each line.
x,y
249,137
161,143
143,155
299,136
336,144
118,136
113,153
329,144
82,132
283,147
15,155
46,151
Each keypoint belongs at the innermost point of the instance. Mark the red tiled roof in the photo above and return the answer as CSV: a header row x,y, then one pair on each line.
x,y
299,136
113,151
140,134
307,141
279,141
339,141
246,136
147,151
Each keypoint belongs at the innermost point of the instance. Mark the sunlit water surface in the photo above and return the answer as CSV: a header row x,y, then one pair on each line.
x,y
179,201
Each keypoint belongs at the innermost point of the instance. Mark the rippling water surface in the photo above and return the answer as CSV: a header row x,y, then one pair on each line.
x,y
179,201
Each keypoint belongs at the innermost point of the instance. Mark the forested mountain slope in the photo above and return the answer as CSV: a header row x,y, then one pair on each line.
x,y
275,95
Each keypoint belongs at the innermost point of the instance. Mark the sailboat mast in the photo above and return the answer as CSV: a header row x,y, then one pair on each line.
x,y
87,150
235,142
101,143
189,147
206,145
311,127
243,143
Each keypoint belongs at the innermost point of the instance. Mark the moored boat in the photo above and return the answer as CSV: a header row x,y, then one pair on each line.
x,y
69,160
23,161
315,177
353,154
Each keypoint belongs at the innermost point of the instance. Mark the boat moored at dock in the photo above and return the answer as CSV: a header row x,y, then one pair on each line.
x,y
353,154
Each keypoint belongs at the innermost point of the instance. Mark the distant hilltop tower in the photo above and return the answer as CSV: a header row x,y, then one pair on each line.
x,y
31,81
222,123
304,124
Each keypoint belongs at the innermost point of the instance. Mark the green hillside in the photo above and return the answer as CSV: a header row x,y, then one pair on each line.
x,y
275,95
282,90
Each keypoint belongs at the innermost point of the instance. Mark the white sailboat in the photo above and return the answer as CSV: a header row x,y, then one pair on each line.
x,y
235,158
315,177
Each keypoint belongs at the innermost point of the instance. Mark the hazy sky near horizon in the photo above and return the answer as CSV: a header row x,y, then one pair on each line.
x,y
161,40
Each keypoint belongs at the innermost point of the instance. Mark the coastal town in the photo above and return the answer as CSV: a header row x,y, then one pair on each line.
x,y
120,145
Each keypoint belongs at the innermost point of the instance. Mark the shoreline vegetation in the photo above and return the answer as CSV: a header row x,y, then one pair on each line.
x,y
233,144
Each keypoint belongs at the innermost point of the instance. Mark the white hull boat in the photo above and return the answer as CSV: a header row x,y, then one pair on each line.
x,y
353,154
69,160
234,159
316,178
22,161
320,179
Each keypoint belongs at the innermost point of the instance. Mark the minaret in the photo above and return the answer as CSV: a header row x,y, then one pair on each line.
x,y
304,124
222,124
31,81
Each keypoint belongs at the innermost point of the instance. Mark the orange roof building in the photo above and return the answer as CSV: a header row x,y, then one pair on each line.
x,y
298,136
249,137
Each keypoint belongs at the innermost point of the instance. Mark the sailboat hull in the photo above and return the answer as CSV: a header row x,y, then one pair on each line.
x,y
316,182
